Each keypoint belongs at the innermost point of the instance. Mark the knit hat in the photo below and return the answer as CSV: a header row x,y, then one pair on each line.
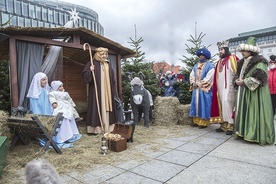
x,y
56,84
273,58
203,52
250,46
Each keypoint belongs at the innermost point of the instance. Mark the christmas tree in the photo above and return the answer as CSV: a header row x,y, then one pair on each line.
x,y
5,101
134,65
190,61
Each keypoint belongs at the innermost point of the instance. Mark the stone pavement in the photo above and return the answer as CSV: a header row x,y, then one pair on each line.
x,y
203,156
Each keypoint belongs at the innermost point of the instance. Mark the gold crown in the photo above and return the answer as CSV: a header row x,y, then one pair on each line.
x,y
223,44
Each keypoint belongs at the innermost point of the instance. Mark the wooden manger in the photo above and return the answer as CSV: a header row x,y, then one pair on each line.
x,y
26,129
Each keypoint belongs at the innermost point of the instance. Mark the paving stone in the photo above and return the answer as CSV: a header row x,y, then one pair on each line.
x,y
207,140
219,135
243,151
152,150
131,178
187,138
97,174
158,170
211,170
193,147
129,164
196,131
180,157
171,143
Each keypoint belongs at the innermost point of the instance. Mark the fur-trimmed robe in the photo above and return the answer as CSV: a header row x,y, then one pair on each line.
x,y
253,117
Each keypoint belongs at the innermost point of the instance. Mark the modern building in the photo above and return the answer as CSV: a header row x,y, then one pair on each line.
x,y
46,13
266,40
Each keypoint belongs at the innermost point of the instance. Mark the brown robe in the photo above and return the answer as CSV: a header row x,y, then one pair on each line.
x,y
93,120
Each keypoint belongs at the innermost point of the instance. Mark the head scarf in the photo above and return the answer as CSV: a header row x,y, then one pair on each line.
x,y
55,85
105,63
35,87
98,54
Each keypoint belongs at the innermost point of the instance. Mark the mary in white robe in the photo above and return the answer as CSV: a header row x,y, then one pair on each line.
x,y
38,95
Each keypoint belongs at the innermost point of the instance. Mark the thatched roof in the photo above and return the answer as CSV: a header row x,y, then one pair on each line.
x,y
75,53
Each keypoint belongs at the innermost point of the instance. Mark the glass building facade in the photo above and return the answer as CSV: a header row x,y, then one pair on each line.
x,y
46,13
266,40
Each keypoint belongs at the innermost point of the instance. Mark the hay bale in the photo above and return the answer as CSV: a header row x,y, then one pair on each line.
x,y
183,115
165,110
81,107
4,129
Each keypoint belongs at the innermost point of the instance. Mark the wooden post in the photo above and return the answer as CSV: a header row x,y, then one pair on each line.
x,y
13,73
119,76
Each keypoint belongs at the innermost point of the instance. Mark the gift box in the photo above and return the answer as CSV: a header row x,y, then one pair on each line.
x,y
3,153
120,145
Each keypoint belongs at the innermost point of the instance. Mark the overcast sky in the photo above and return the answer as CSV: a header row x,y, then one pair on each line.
x,y
165,25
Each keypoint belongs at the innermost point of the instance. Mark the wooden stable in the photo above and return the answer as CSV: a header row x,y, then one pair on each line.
x,y
73,56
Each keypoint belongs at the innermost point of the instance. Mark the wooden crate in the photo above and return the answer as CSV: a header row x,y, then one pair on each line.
x,y
121,145
3,153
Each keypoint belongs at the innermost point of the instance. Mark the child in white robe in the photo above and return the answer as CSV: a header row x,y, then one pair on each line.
x,y
68,131
65,99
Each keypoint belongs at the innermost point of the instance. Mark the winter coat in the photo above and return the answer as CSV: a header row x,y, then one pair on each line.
x,y
272,80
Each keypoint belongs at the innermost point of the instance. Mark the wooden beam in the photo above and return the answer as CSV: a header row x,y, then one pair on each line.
x,y
75,44
76,39
119,76
13,73
130,55
49,41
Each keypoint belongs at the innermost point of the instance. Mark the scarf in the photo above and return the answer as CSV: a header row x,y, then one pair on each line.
x,y
105,64
108,101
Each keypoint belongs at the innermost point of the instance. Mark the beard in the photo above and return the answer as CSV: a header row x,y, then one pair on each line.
x,y
222,55
226,52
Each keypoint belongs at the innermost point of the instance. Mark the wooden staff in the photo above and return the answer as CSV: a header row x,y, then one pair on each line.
x,y
96,87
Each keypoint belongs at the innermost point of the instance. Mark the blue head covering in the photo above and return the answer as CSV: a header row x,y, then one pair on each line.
x,y
203,52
